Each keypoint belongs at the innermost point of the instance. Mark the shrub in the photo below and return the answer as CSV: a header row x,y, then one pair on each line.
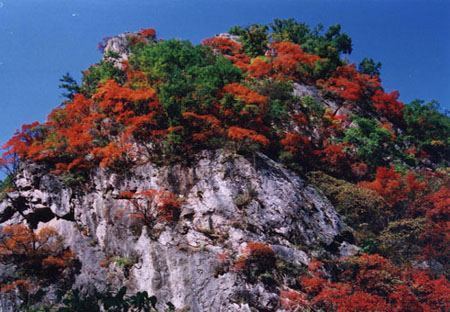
x,y
372,283
373,143
254,38
400,240
329,44
257,258
427,129
6,186
39,258
40,253
369,67
97,74
394,187
362,209
153,206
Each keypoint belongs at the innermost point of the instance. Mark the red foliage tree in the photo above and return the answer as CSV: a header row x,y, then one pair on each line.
x,y
259,68
289,57
348,85
202,127
152,206
148,33
296,144
245,94
246,136
256,258
39,254
436,235
286,61
389,184
230,49
21,143
388,105
334,156
371,283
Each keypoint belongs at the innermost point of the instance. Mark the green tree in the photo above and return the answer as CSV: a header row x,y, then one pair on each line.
x,y
373,143
97,74
69,84
290,30
187,77
427,128
370,67
254,38
329,45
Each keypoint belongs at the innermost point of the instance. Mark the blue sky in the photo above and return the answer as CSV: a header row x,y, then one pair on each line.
x,y
40,40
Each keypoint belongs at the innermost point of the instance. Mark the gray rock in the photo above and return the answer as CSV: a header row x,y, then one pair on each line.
x,y
228,201
348,250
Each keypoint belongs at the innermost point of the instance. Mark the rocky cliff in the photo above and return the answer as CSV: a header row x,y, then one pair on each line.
x,y
228,201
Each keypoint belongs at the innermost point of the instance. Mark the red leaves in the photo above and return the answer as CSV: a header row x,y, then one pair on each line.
x,y
348,84
407,190
111,154
241,134
242,106
114,98
230,49
344,88
334,296
143,36
437,232
388,183
388,105
435,293
394,187
371,283
245,94
289,56
295,143
34,250
37,256
259,68
403,299
440,201
223,45
152,206
203,127
75,129
148,33
334,154
361,302
21,142
284,62
256,256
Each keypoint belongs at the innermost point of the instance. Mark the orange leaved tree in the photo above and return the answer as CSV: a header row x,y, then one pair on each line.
x,y
152,206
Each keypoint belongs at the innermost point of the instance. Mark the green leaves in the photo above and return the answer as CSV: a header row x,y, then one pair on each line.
x,y
118,301
254,38
70,85
97,74
329,45
373,143
370,67
188,77
427,129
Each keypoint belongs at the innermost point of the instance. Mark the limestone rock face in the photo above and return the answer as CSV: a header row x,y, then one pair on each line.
x,y
227,201
118,45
